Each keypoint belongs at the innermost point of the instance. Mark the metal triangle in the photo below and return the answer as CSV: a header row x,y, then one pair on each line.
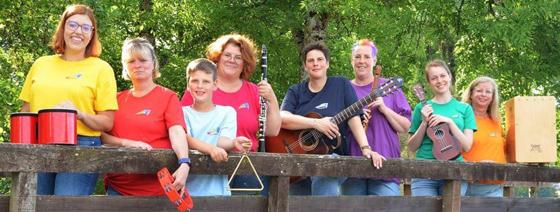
x,y
243,157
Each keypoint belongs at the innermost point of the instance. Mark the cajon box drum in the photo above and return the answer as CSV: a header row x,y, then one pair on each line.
x,y
531,129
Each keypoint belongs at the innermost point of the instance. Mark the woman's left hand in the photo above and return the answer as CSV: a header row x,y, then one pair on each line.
x,y
436,119
180,175
376,158
379,104
266,91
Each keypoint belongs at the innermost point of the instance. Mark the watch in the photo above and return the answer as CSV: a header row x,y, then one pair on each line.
x,y
184,160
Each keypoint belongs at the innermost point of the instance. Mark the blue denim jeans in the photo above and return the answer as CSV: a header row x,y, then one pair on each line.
x,y
485,190
426,187
360,186
112,192
249,181
317,186
69,184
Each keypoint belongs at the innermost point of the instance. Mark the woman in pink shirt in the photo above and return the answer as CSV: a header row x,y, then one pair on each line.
x,y
235,58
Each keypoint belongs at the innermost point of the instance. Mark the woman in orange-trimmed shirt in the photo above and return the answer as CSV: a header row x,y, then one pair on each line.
x,y
488,143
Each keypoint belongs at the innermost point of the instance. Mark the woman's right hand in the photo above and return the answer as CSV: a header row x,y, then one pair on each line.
x,y
327,127
135,144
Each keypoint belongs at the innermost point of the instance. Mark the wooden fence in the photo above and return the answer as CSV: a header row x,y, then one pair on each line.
x,y
24,161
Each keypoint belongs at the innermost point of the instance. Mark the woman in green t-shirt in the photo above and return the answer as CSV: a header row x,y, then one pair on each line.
x,y
442,108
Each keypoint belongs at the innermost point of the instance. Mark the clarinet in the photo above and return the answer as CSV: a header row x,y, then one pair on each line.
x,y
262,116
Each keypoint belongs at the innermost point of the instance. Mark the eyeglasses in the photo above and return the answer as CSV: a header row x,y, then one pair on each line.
x,y
236,58
86,28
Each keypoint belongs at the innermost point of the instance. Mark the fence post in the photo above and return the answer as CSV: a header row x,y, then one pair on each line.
x,y
278,194
509,191
451,198
407,188
24,191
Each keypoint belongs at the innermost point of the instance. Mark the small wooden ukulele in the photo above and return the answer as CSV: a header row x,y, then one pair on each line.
x,y
446,146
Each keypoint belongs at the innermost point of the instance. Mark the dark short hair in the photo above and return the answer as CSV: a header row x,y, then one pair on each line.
x,y
204,65
320,46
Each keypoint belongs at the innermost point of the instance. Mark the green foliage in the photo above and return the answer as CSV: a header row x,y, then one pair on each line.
x,y
5,184
515,42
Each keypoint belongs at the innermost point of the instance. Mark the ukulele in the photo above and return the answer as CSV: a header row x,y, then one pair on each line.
x,y
311,141
446,146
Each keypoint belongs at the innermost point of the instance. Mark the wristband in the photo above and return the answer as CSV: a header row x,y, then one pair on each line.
x,y
184,160
365,147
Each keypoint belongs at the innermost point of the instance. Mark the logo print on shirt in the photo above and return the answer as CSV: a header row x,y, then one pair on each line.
x,y
213,131
144,112
244,106
322,106
456,116
74,76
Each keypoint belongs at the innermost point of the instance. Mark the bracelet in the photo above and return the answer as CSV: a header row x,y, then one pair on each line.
x,y
365,147
184,160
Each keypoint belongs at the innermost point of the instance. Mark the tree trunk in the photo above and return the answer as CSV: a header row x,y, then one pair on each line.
x,y
146,9
314,29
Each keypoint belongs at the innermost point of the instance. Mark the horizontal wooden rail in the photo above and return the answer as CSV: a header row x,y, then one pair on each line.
x,y
47,158
296,203
24,161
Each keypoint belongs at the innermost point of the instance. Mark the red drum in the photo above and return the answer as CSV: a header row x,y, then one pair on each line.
x,y
58,126
23,128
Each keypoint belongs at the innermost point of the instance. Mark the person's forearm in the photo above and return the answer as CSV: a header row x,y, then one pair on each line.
x,y
399,123
273,119
102,121
464,137
179,142
415,140
296,122
226,143
196,144
25,107
108,139
355,126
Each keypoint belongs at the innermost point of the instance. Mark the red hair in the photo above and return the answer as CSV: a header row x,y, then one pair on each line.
x,y
215,50
93,49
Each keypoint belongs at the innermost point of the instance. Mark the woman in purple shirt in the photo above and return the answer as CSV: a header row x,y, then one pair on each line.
x,y
391,115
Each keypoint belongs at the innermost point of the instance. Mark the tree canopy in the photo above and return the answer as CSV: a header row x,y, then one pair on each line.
x,y
514,41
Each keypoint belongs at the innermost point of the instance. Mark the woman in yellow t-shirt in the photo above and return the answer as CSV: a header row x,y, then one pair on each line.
x,y
73,78
488,142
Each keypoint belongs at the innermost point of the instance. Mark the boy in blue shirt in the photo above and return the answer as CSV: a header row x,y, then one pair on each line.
x,y
213,125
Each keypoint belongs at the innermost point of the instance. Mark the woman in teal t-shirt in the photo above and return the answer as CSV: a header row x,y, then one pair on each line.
x,y
442,108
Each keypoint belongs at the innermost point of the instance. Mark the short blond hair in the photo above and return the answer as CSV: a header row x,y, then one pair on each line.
x,y
138,46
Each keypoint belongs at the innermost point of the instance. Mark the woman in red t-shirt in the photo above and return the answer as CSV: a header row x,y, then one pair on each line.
x,y
149,116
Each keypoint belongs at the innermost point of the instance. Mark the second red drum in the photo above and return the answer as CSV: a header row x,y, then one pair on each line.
x,y
58,126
